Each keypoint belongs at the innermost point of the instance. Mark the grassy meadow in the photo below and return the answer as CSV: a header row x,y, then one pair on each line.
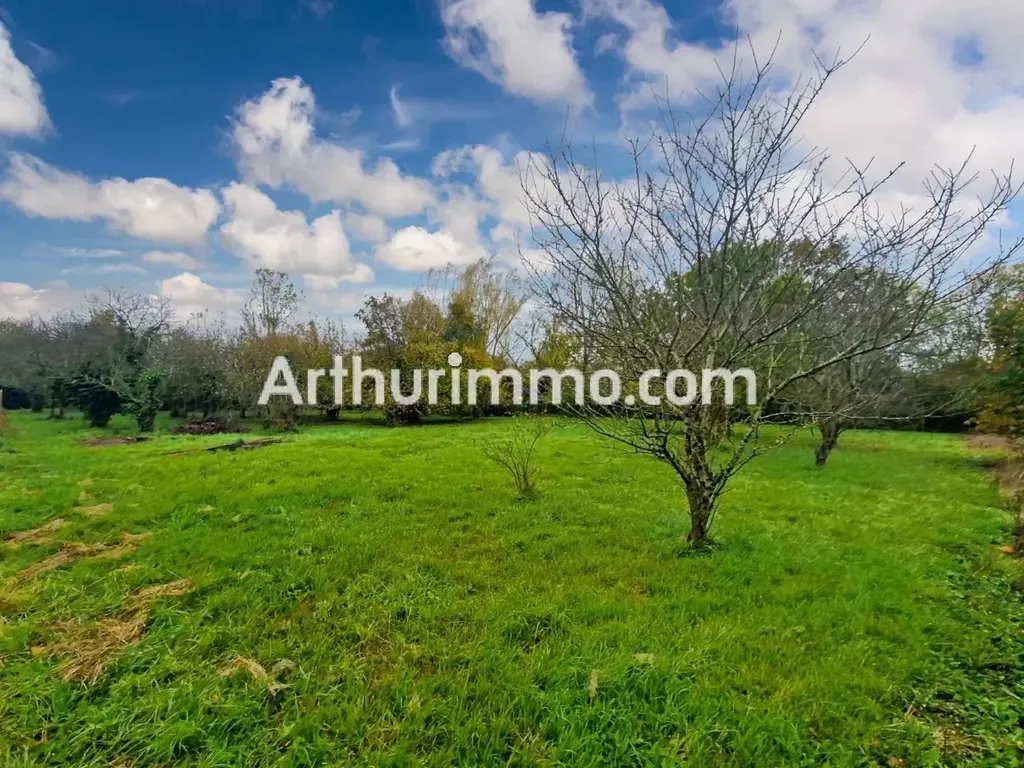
x,y
366,596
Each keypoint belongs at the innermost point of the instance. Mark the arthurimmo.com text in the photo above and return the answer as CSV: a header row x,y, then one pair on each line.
x,y
679,387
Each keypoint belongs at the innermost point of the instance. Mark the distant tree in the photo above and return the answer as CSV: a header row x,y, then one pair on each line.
x,y
266,332
272,303
195,355
487,292
855,391
1003,411
123,374
24,359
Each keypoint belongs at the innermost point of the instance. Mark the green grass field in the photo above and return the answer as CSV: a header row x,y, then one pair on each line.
x,y
404,608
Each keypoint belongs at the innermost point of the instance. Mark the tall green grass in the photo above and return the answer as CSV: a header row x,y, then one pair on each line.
x,y
860,615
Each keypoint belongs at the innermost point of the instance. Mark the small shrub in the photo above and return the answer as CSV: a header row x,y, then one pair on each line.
x,y
515,450
403,415
282,416
99,402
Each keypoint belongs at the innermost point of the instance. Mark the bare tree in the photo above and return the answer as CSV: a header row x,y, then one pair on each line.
x,y
856,390
140,317
731,247
893,385
195,355
272,302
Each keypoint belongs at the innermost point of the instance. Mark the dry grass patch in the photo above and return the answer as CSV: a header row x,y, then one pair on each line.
x,y
147,595
1010,476
102,442
87,650
73,550
76,550
15,599
988,443
39,535
97,510
256,671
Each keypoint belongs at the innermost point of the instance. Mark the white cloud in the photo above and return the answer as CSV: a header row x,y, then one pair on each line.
x,y
363,274
21,99
402,117
931,82
89,253
460,214
367,226
18,300
114,269
276,145
652,57
320,8
151,209
172,258
414,249
189,295
528,53
499,183
344,304
283,240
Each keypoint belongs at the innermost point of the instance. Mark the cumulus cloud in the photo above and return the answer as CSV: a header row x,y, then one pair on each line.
x,y
362,274
276,145
460,214
149,208
18,300
283,240
414,249
651,54
366,226
21,99
499,184
172,258
931,81
528,53
189,295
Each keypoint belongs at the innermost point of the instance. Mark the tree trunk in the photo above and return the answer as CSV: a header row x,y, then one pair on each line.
x,y
701,506
829,439
701,488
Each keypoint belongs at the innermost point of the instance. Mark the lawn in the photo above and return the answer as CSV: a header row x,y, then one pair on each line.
x,y
367,596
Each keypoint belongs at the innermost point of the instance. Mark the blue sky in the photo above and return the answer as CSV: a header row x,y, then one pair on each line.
x,y
407,120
